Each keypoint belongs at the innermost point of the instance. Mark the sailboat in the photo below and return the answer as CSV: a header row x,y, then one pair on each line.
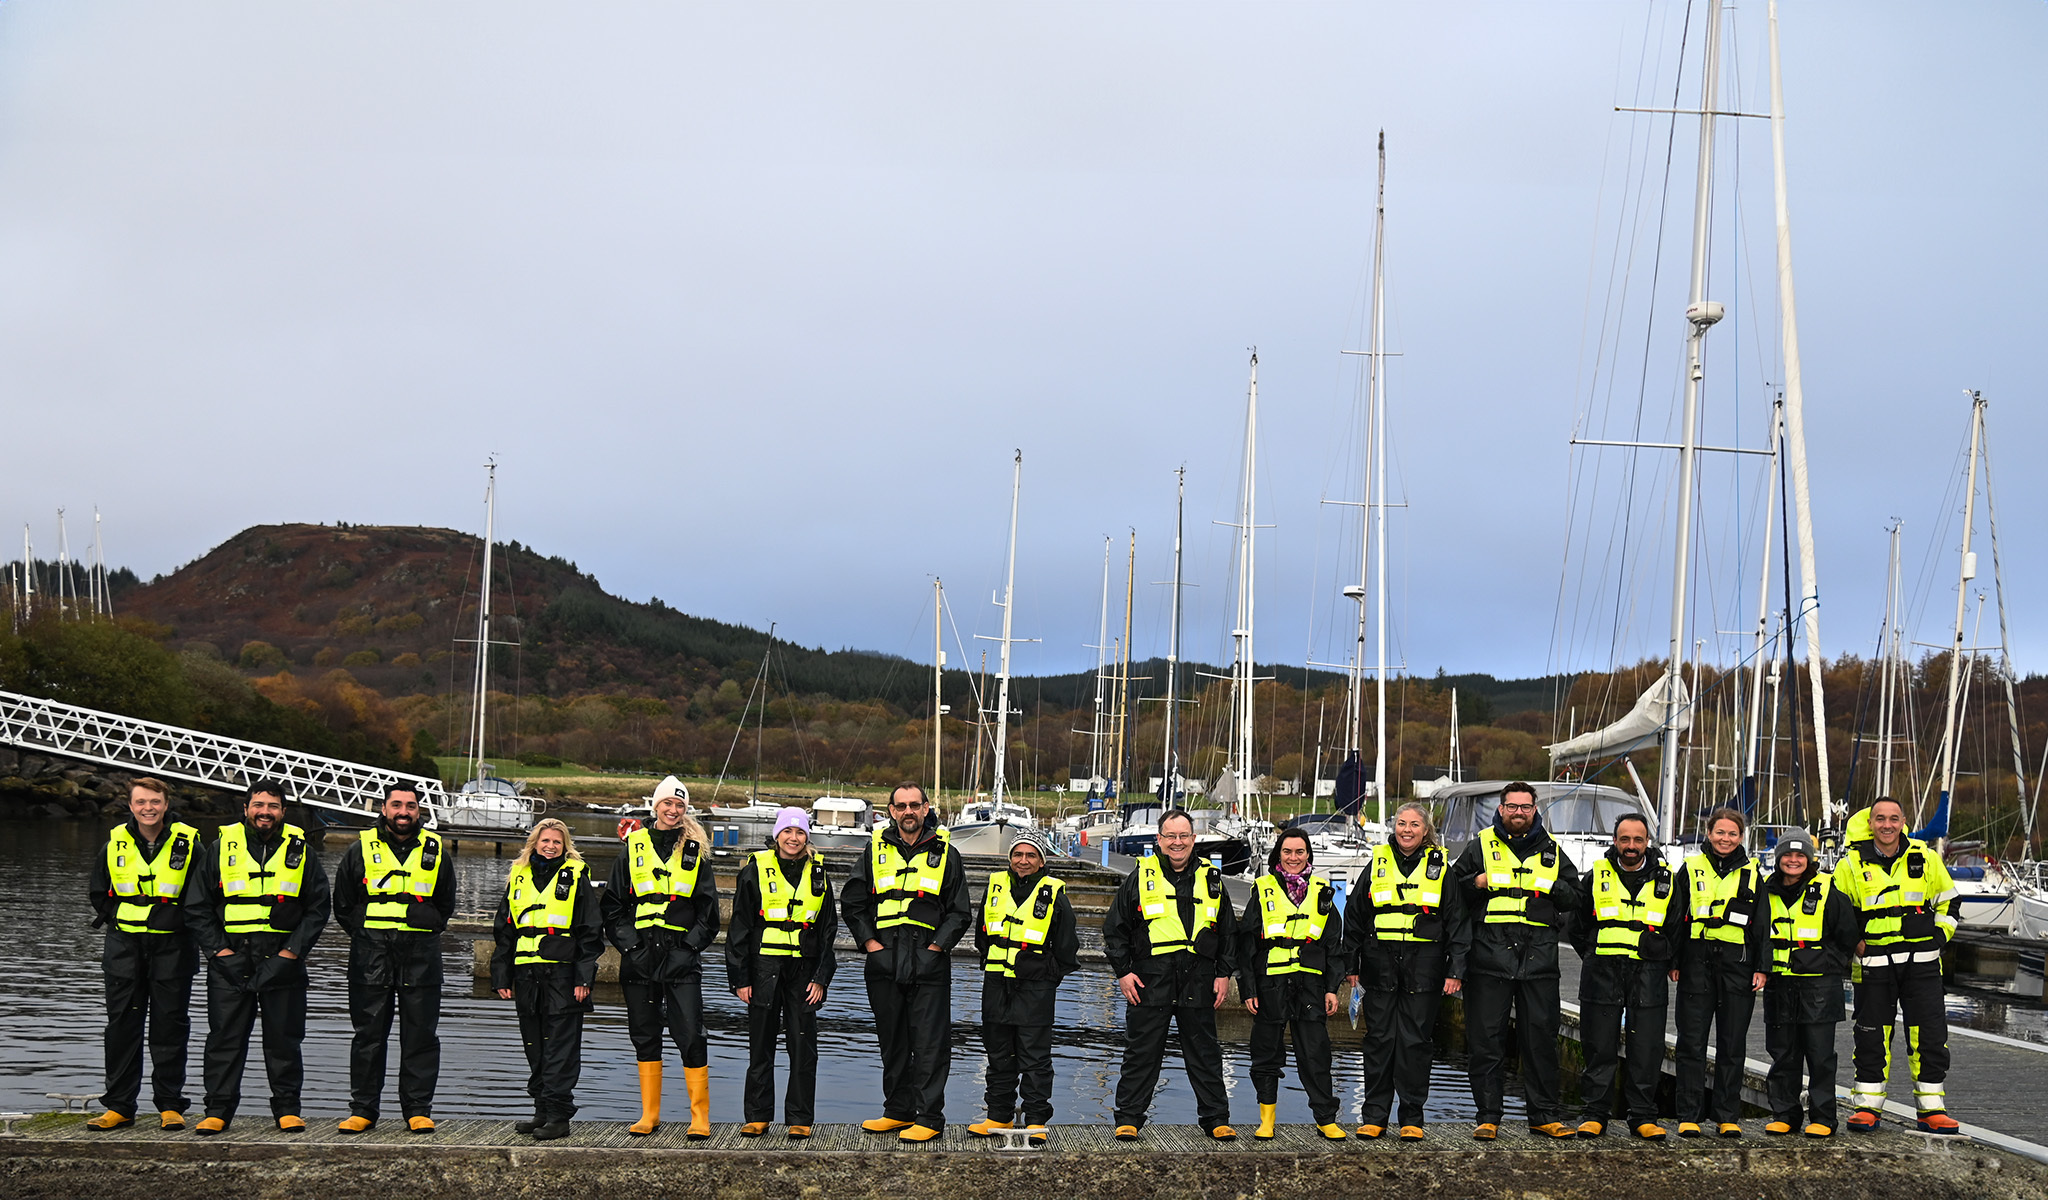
x,y
486,801
1663,714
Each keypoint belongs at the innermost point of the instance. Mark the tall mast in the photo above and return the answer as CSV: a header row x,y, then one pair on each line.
x,y
103,604
1123,695
938,686
1795,438
1003,671
67,589
483,627
1171,754
1887,672
28,574
1965,573
1241,636
1457,763
1763,612
1700,314
2005,673
1379,507
1101,664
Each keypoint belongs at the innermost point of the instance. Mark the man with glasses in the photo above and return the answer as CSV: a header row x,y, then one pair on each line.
x,y
1519,886
906,906
1169,935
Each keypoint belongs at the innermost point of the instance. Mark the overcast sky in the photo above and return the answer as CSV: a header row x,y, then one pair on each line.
x,y
753,302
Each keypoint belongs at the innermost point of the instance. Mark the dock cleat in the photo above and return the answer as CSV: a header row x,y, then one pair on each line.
x,y
797,1133
1371,1131
987,1128
1551,1129
1689,1129
419,1124
355,1124
1940,1122
917,1133
210,1126
753,1129
1331,1132
1650,1131
171,1120
883,1125
1778,1128
1863,1120
109,1120
1223,1133
291,1123
1485,1131
1127,1133
1818,1130
1592,1128
1411,1133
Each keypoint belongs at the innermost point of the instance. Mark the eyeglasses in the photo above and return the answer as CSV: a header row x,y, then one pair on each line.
x,y
1518,808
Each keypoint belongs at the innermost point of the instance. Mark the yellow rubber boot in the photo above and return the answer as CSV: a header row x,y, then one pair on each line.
x,y
699,1081
1268,1114
650,1100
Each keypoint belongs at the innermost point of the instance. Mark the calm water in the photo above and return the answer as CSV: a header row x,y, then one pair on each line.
x,y
52,1012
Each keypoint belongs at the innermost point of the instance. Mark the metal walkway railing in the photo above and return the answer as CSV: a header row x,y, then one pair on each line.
x,y
33,723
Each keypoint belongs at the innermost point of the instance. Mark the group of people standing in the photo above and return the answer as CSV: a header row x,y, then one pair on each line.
x,y
1417,927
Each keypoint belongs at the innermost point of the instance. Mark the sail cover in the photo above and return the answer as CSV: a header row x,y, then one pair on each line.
x,y
1223,794
1350,784
1641,726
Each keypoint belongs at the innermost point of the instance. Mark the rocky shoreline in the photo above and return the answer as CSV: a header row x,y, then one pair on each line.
x,y
38,786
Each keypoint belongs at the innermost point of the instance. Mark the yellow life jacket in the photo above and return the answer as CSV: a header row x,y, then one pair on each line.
x,y
1159,905
1796,929
1622,916
391,884
1720,903
542,916
1905,906
786,911
1286,928
658,883
907,889
1531,879
142,886
1017,923
250,890
1406,907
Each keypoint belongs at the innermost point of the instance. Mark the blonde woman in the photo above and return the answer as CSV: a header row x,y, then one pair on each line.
x,y
661,911
548,942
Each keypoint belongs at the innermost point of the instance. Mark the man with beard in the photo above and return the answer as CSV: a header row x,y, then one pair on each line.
x,y
1629,914
1170,936
1027,942
394,893
138,888
258,903
1717,979
906,906
1519,886
1906,904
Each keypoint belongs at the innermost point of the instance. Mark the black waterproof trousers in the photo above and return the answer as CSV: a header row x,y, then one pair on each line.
x,y
1536,1009
1714,997
239,989
1914,990
779,1005
1311,1062
914,1026
149,997
1145,1029
1644,990
391,972
676,1005
1019,1058
1400,1045
551,1031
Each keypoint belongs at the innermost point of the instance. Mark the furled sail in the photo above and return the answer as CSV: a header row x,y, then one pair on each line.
x,y
1641,726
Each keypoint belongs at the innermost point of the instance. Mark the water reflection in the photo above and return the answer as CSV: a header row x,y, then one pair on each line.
x,y
52,1006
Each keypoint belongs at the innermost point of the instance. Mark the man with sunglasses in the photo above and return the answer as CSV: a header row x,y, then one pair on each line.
x,y
906,906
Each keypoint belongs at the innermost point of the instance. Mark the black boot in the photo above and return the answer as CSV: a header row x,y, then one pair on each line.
x,y
528,1125
550,1131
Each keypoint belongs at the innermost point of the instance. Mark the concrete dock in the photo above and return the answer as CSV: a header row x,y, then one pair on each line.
x,y
55,1156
